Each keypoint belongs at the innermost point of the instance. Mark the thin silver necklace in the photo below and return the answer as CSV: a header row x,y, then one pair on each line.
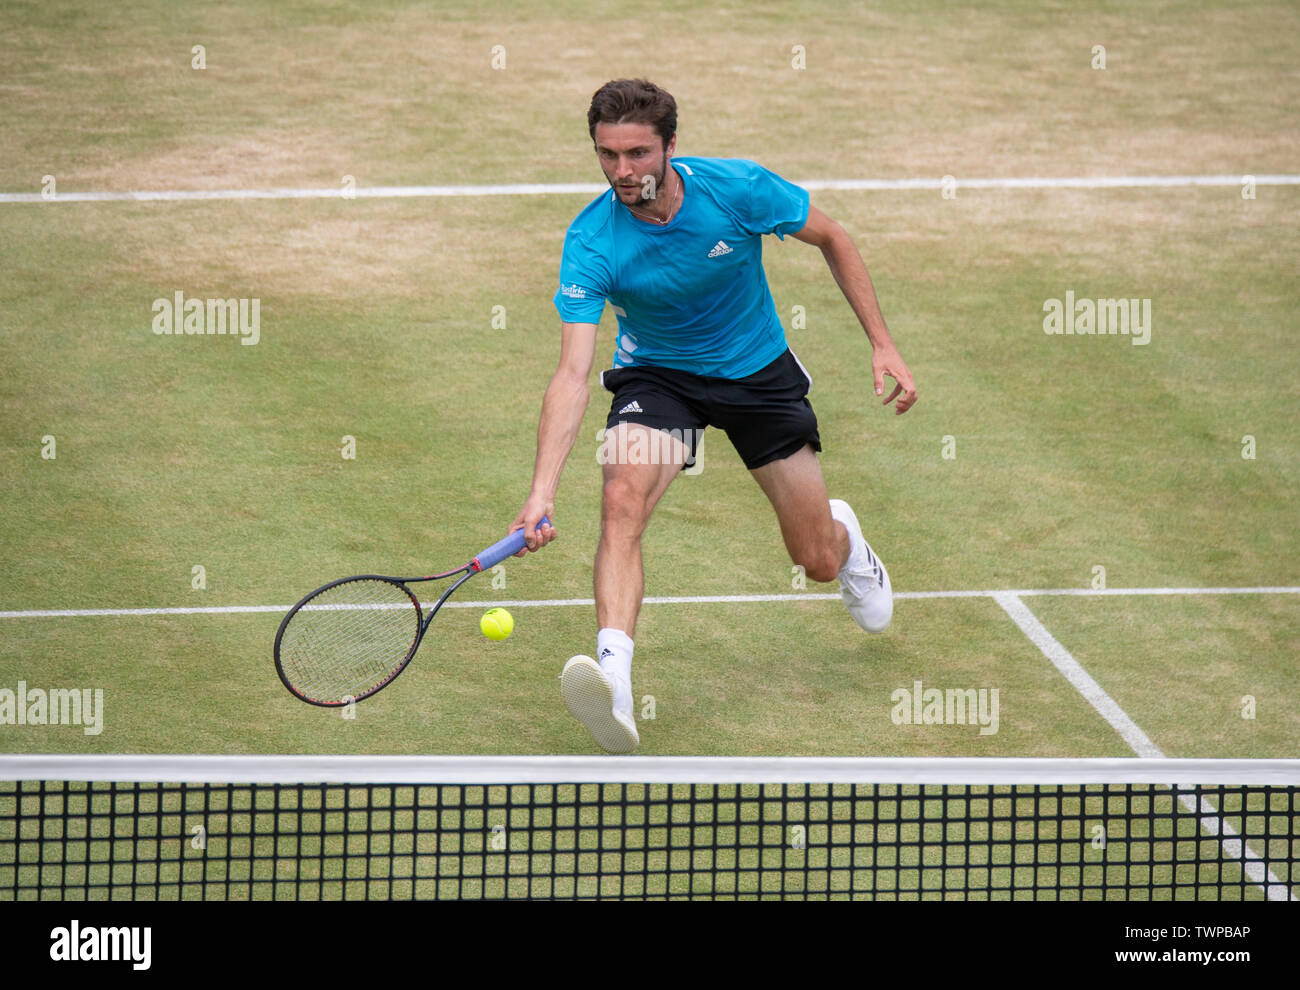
x,y
655,219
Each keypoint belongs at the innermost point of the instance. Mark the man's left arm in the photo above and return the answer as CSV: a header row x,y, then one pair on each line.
x,y
850,273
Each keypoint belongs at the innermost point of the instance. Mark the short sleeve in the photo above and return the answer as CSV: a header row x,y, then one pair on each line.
x,y
775,205
583,282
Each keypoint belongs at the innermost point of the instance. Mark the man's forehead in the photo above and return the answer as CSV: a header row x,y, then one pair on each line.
x,y
623,136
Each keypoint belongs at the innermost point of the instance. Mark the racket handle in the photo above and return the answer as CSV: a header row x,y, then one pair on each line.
x,y
502,549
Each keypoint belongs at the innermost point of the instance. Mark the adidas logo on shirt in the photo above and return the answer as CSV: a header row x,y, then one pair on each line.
x,y
631,407
720,249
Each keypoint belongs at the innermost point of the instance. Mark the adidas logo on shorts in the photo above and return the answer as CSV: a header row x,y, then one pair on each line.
x,y
631,407
720,249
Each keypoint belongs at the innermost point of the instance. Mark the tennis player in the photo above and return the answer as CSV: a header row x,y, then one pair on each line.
x,y
675,247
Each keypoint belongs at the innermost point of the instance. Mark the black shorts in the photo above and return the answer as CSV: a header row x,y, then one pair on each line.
x,y
766,415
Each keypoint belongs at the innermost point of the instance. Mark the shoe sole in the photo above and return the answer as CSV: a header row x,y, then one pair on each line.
x,y
590,699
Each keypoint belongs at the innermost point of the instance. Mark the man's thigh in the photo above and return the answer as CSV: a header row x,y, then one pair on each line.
x,y
638,464
797,490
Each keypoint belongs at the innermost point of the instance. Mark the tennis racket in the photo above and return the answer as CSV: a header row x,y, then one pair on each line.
x,y
350,638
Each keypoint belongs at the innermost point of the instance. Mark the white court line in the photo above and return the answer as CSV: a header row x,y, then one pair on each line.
x,y
1103,592
78,613
1229,839
592,188
1093,693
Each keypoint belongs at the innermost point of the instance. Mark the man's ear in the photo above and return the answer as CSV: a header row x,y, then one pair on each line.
x,y
670,147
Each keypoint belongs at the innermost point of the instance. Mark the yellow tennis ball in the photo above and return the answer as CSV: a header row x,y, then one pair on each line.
x,y
496,623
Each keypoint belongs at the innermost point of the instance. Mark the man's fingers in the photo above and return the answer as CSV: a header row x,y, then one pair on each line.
x,y
542,536
534,538
531,543
903,386
906,402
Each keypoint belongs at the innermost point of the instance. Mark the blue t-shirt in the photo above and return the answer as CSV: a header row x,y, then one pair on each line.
x,y
690,294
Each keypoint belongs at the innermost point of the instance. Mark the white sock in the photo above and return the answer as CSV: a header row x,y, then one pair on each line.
x,y
614,654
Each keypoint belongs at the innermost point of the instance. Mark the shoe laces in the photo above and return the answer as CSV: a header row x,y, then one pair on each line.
x,y
864,571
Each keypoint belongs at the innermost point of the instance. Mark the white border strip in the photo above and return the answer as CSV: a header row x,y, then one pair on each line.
x,y
643,770
592,188
74,613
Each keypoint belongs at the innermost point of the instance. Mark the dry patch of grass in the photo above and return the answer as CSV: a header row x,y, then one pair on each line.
x,y
407,94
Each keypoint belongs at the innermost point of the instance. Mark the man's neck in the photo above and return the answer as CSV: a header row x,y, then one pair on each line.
x,y
660,209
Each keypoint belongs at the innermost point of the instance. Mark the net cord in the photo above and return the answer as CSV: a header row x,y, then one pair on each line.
x,y
351,769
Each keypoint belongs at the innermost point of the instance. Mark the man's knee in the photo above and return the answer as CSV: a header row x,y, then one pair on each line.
x,y
625,505
819,564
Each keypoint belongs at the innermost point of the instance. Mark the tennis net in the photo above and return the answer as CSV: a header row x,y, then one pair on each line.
x,y
402,828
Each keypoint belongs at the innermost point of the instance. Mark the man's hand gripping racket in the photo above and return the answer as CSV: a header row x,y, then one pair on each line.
x,y
351,638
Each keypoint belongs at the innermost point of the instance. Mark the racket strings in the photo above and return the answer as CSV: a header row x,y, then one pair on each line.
x,y
348,640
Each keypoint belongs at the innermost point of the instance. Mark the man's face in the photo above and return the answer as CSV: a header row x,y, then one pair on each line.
x,y
634,159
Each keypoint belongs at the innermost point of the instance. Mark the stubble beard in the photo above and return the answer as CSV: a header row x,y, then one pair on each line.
x,y
658,183
640,191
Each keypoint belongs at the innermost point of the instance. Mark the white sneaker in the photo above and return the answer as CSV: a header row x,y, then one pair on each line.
x,y
864,582
589,696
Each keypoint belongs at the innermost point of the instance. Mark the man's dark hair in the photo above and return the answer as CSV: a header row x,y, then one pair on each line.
x,y
633,101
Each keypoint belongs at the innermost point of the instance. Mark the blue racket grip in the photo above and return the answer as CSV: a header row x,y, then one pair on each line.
x,y
502,549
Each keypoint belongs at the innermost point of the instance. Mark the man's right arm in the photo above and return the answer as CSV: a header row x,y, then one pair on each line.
x,y
563,407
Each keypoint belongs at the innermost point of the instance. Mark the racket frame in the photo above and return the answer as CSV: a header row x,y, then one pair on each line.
x,y
487,558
